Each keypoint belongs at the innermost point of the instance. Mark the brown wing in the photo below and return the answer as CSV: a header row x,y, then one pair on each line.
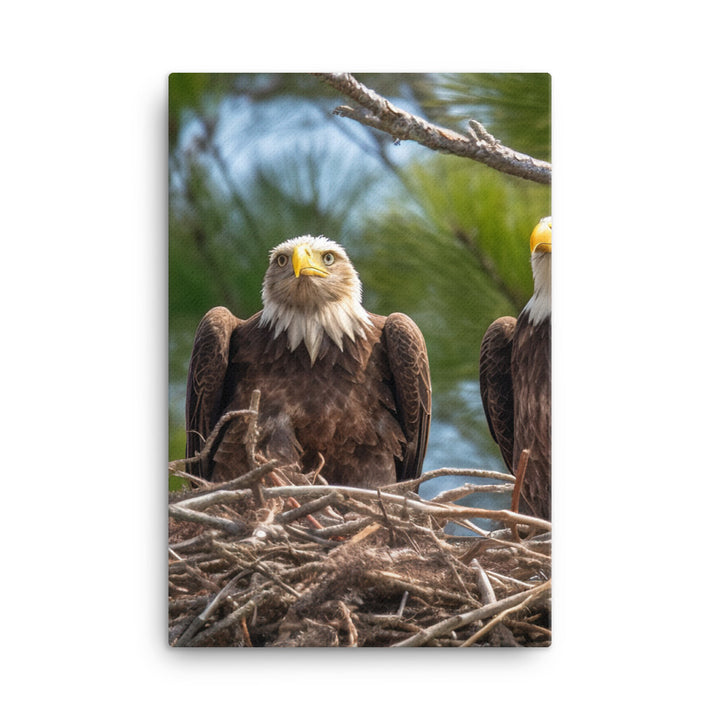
x,y
496,387
408,361
532,385
206,377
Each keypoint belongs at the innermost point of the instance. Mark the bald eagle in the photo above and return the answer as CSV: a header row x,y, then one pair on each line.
x,y
515,380
340,387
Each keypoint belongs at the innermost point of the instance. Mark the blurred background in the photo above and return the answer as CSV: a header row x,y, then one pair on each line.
x,y
255,159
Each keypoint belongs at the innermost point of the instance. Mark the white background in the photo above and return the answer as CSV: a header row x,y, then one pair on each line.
x,y
83,225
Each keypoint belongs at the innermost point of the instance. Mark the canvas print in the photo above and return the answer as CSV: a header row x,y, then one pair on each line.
x,y
359,360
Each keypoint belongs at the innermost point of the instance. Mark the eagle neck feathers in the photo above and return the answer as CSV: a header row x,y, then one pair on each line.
x,y
539,306
339,319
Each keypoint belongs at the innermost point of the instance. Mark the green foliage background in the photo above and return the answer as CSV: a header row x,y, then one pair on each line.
x,y
258,158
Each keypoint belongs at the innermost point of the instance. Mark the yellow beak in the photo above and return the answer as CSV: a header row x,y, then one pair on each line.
x,y
305,263
541,237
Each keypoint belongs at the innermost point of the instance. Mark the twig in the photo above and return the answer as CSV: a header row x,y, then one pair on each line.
x,y
519,478
487,594
388,524
401,609
498,619
227,491
219,425
307,509
178,467
471,616
349,624
270,575
204,581
467,472
228,526
479,133
388,621
470,489
529,627
434,510
442,472
251,436
505,579
347,528
320,466
202,618
378,113
199,542
255,565
245,632
313,537
427,593
234,617
451,561
174,468
523,547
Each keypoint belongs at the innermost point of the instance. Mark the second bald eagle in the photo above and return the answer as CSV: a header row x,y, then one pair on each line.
x,y
335,380
515,381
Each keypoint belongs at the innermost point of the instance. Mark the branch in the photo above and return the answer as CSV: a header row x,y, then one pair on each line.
x,y
468,489
178,465
377,112
439,511
441,472
228,526
209,488
499,618
482,613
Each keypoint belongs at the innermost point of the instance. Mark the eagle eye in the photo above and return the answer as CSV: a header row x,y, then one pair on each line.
x,y
281,260
328,258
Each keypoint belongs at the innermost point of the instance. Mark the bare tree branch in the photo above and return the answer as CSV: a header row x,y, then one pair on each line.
x,y
379,113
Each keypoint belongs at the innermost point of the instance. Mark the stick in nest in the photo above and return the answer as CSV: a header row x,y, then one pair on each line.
x,y
349,624
452,623
202,618
224,492
487,594
446,471
497,619
388,524
308,508
519,478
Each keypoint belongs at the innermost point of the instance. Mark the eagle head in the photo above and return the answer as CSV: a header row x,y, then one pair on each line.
x,y
541,236
541,261
310,290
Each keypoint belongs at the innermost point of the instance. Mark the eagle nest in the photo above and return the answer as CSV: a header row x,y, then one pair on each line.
x,y
348,567
261,562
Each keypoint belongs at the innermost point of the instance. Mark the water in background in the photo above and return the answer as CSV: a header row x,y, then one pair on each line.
x,y
448,448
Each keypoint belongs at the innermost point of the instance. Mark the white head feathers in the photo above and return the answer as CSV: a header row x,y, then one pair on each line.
x,y
309,298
